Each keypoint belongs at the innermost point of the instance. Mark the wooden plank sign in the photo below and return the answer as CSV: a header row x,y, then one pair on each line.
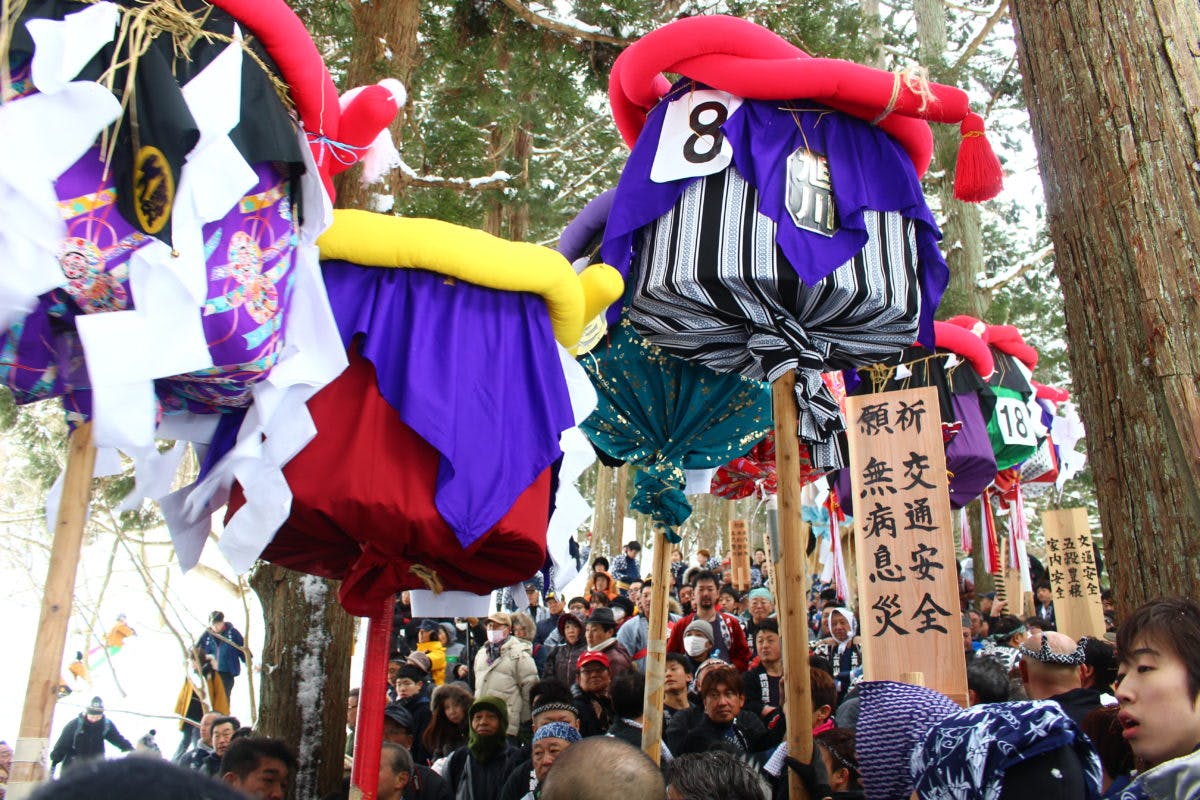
x,y
1008,583
1071,563
907,584
739,555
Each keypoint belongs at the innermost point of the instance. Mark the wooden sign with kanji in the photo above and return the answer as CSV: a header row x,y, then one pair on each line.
x,y
739,555
908,587
1074,579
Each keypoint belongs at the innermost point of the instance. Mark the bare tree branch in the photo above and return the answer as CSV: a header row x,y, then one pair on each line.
x,y
984,32
994,284
559,27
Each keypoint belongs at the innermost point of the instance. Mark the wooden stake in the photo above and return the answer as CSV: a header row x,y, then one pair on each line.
x,y
368,730
790,583
656,649
45,671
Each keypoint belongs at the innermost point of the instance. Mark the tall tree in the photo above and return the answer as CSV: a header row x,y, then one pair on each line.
x,y
1115,105
305,672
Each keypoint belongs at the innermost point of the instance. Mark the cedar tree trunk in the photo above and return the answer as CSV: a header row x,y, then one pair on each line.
x,y
1114,96
305,673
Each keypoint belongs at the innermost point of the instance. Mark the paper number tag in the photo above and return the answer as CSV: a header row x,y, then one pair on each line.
x,y
1016,425
692,142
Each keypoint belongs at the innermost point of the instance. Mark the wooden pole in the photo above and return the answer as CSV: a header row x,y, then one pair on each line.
x,y
368,730
45,671
791,581
656,649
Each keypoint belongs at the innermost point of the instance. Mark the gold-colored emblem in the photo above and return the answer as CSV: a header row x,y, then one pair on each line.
x,y
153,189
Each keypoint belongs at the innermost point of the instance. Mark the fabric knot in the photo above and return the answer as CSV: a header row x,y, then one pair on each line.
x,y
666,504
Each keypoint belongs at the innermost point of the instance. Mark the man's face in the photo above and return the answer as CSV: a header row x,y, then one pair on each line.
x,y
555,715
396,734
206,723
391,783
266,782
90,717
635,590
1044,595
595,633
685,595
222,735
676,678
966,628
554,604
1159,716
728,603
644,599
406,688
534,596
217,627
577,608
839,626
351,711
760,556
976,624
544,753
760,608
767,645
722,704
485,722
393,671
706,595
594,678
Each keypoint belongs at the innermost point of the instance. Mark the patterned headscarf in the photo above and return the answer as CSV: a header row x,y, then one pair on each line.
x,y
967,754
557,730
893,719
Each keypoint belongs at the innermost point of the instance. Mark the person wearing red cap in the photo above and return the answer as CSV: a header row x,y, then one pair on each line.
x,y
591,694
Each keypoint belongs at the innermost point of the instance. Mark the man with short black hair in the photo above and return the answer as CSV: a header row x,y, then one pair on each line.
x,y
412,692
258,767
223,730
625,568
728,636
676,680
715,774
222,644
395,771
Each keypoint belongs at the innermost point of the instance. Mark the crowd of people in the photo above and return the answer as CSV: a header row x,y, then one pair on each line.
x,y
548,702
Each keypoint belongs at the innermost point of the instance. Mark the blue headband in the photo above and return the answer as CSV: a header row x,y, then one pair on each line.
x,y
557,730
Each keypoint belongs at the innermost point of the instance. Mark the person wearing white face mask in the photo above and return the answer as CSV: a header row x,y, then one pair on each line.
x,y
505,668
698,641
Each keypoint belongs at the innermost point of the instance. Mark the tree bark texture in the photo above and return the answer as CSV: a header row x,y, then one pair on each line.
x,y
385,46
305,673
1114,97
608,527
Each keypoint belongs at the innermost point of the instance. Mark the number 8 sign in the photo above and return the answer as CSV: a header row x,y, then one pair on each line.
x,y
692,143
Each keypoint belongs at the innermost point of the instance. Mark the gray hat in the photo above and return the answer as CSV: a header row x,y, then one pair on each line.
x,y
701,627
603,615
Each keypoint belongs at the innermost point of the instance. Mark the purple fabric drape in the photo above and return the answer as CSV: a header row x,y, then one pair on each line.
x,y
474,371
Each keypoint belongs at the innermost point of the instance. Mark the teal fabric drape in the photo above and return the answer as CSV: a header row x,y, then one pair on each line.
x,y
663,415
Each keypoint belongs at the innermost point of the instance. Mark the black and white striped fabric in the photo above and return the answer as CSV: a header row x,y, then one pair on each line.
x,y
712,286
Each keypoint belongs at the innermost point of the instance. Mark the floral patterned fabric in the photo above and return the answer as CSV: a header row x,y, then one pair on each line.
x,y
966,755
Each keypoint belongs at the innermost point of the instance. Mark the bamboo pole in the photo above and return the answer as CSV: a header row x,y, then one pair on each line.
x,y
45,671
791,580
656,649
368,731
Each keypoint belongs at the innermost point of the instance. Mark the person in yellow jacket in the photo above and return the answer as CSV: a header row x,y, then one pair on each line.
x,y
429,644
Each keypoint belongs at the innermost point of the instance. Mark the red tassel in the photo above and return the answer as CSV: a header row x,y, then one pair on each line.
x,y
978,175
